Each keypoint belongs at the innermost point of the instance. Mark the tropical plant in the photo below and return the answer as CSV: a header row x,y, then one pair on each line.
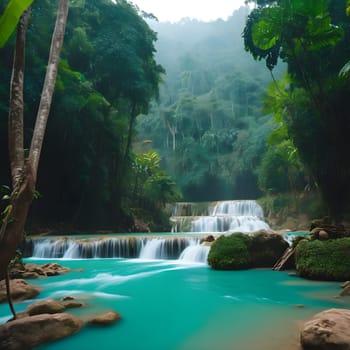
x,y
310,37
10,18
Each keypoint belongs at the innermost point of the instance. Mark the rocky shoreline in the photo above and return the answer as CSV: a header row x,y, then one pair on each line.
x,y
46,320
326,330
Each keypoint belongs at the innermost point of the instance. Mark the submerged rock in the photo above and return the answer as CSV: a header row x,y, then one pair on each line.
x,y
73,304
47,306
20,290
106,318
31,331
327,330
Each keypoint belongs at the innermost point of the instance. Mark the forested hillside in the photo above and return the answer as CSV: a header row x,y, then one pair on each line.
x,y
208,124
107,76
310,104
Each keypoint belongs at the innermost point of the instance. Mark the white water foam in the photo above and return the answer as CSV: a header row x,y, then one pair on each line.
x,y
195,254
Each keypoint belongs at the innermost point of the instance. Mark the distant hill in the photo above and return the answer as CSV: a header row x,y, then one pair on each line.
x,y
208,125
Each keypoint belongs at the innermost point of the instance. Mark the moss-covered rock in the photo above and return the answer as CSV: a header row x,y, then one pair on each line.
x,y
240,251
266,248
230,252
324,260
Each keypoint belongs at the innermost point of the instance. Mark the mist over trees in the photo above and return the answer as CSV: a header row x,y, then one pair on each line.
x,y
208,125
145,113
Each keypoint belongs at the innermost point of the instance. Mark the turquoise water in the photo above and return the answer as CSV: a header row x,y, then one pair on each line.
x,y
166,305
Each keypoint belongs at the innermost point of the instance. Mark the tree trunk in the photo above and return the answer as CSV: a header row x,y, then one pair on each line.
x,y
13,223
15,123
133,115
49,85
24,173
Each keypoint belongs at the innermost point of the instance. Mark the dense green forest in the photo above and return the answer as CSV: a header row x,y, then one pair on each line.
x,y
107,76
145,113
312,38
208,124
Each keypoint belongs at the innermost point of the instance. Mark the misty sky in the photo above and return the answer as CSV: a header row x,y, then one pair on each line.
x,y
174,10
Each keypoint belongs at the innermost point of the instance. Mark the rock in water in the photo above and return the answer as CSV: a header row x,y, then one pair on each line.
x,y
106,318
46,306
20,290
327,330
25,333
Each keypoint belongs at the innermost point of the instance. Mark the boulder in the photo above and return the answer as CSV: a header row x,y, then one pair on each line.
x,y
35,271
327,330
20,290
105,319
209,238
47,306
345,284
323,235
68,297
31,331
73,304
345,291
53,269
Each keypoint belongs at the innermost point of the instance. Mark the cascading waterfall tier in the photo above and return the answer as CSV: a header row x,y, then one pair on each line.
x,y
147,248
224,216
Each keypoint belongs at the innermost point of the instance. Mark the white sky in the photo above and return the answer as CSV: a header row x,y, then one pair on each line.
x,y
174,10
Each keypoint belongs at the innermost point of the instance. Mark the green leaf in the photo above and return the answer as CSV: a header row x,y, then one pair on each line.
x,y
347,9
264,36
266,32
321,33
309,7
10,18
345,71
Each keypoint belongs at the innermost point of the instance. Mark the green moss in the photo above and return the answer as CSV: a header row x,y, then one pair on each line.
x,y
324,260
230,252
240,251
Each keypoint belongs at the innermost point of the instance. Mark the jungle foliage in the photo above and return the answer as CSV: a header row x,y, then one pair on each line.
x,y
240,251
107,76
208,125
323,260
310,108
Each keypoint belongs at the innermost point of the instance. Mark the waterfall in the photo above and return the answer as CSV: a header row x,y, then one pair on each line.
x,y
149,248
224,216
195,253
165,248
69,248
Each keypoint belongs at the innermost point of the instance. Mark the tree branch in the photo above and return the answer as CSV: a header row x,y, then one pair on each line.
x,y
49,85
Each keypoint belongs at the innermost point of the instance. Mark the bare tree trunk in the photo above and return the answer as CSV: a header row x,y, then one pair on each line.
x,y
11,228
15,123
49,85
133,115
24,173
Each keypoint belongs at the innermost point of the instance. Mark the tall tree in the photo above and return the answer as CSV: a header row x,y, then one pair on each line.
x,y
312,38
24,169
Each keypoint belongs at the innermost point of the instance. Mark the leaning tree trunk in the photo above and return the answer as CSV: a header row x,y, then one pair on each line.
x,y
24,172
12,223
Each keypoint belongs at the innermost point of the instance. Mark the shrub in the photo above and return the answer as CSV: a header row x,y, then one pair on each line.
x,y
230,252
324,260
240,251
